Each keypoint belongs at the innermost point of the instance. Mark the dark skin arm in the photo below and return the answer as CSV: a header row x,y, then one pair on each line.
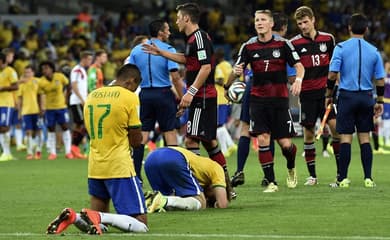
x,y
135,137
13,87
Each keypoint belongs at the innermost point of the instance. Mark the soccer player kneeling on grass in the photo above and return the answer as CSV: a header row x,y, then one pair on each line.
x,y
182,180
111,118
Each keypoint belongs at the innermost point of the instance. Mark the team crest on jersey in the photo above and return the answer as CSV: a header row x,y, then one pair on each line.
x,y
57,82
323,47
276,53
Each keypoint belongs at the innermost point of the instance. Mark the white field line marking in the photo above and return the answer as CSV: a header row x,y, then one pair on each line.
x,y
227,236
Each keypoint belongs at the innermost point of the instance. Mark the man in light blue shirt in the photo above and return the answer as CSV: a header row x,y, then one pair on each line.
x,y
157,101
358,62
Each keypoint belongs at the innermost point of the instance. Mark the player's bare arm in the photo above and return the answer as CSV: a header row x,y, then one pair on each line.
x,y
296,86
135,137
153,49
378,108
177,83
238,69
332,77
231,79
76,91
42,104
221,197
192,90
19,104
13,87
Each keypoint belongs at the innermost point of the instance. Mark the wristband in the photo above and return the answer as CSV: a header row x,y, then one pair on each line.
x,y
192,90
298,79
380,100
226,87
380,91
330,84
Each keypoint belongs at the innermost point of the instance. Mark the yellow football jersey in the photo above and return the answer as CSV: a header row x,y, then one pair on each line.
x,y
207,171
8,76
108,113
29,93
54,91
222,70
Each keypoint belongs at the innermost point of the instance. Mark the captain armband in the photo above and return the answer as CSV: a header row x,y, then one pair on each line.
x,y
380,91
192,90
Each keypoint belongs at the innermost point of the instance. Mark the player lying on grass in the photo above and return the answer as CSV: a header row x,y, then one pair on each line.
x,y
182,180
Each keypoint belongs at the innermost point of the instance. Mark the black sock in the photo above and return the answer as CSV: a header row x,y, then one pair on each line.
x,y
242,152
138,156
345,159
366,157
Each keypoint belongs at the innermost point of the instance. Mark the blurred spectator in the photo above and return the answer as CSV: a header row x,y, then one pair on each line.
x,y
119,52
53,34
14,8
84,16
138,39
109,69
21,62
31,40
16,42
6,34
95,74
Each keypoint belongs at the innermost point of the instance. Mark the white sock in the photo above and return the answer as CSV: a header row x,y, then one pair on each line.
x,y
227,137
67,141
38,142
386,131
18,136
221,140
123,222
2,140
5,143
184,203
30,144
51,142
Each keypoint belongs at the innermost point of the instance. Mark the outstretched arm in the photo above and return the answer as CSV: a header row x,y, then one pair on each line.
x,y
153,49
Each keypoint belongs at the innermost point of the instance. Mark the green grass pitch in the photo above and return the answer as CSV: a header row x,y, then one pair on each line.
x,y
34,192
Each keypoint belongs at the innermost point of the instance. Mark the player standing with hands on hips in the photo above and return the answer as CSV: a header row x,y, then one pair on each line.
x,y
357,62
